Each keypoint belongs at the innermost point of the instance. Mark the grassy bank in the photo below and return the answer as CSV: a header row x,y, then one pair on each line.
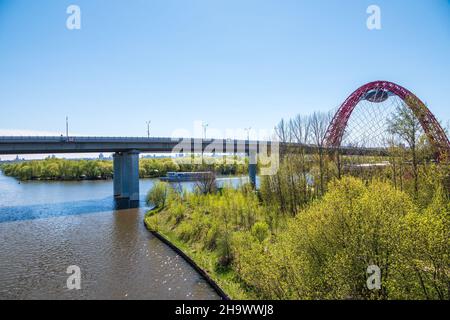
x,y
226,279
198,232
254,250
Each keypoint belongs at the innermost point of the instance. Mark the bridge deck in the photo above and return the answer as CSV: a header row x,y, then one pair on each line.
x,y
53,145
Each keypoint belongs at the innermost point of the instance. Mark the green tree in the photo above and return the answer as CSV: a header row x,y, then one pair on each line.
x,y
158,195
407,127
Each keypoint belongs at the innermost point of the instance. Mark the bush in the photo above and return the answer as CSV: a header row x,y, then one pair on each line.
x,y
212,237
224,249
260,231
421,268
158,195
326,250
185,231
177,213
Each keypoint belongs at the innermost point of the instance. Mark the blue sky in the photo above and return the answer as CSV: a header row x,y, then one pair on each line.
x,y
231,63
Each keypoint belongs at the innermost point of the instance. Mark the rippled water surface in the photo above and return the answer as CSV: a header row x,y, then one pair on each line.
x,y
45,227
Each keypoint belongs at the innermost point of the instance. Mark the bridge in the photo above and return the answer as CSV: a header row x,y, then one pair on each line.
x,y
126,152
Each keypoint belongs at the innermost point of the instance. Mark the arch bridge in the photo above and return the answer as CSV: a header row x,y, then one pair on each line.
x,y
126,150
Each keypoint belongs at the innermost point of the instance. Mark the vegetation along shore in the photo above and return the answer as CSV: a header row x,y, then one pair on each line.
x,y
68,170
314,228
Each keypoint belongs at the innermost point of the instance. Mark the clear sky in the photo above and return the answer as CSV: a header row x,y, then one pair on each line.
x,y
231,63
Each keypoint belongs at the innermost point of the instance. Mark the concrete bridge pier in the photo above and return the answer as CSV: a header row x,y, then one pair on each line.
x,y
117,166
126,178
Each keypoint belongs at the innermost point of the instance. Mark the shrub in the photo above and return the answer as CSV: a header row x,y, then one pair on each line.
x,y
177,213
212,237
224,250
158,195
260,231
185,231
325,252
421,269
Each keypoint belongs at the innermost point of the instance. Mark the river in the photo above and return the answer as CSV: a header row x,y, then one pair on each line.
x,y
45,227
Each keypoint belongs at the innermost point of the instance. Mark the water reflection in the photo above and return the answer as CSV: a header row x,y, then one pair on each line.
x,y
41,211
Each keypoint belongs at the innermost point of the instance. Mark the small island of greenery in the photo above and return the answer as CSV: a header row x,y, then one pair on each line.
x,y
68,170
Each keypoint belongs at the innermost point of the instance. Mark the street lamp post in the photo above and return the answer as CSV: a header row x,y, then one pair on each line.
x,y
248,133
248,137
251,160
148,128
67,127
204,125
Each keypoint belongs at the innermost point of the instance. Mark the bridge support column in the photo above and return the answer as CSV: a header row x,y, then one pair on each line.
x,y
126,178
117,166
252,161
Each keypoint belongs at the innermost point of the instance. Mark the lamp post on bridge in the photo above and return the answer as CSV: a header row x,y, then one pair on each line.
x,y
251,160
248,133
205,126
67,127
148,128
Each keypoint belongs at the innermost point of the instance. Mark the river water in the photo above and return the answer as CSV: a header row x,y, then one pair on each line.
x,y
45,227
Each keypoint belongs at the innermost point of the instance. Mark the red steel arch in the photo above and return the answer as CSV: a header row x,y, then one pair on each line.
x,y
436,135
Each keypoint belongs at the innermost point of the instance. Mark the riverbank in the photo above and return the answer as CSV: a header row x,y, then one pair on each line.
x,y
191,262
224,282
202,227
253,250
54,169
